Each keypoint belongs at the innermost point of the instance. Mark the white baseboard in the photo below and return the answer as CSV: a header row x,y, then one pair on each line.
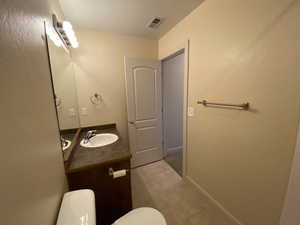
x,y
214,201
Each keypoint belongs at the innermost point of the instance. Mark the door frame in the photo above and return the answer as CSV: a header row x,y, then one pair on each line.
x,y
289,214
184,47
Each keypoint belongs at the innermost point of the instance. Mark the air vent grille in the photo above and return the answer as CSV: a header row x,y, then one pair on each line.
x,y
155,23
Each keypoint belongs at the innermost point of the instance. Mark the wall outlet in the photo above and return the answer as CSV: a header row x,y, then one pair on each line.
x,y
191,111
83,111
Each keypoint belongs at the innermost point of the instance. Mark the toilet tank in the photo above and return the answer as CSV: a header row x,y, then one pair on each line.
x,y
77,208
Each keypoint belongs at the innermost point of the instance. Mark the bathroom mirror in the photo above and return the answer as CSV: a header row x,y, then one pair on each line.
x,y
64,85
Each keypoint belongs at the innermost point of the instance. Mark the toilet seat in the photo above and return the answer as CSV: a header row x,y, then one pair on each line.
x,y
142,216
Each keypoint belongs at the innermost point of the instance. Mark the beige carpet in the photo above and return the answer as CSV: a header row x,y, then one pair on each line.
x,y
157,185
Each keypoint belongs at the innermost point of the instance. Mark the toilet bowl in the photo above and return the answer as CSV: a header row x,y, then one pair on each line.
x,y
142,216
78,207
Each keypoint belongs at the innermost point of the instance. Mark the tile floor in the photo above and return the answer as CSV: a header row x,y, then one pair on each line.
x,y
157,185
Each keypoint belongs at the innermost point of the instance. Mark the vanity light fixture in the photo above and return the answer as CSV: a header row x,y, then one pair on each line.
x,y
67,27
54,36
66,32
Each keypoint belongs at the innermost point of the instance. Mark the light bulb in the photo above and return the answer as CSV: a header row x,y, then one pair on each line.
x,y
67,26
54,37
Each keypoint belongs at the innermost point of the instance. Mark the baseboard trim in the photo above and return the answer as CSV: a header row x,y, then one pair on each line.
x,y
213,200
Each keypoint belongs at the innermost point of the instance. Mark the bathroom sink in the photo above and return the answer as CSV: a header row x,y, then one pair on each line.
x,y
99,140
66,145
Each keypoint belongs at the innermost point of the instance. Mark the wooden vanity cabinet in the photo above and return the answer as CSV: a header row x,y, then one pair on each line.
x,y
113,196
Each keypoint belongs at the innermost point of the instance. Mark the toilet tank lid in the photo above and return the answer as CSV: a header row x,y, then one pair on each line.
x,y
77,208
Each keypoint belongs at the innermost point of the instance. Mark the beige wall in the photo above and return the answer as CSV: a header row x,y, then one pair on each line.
x,y
31,168
99,67
242,51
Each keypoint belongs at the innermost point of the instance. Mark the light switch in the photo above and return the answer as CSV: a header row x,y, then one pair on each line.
x,y
72,112
191,111
83,111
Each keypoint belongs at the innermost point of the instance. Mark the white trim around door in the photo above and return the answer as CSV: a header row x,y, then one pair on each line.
x,y
290,213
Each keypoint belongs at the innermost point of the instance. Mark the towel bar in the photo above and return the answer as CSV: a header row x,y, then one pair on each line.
x,y
244,106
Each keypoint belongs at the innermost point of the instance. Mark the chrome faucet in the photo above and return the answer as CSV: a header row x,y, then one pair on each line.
x,y
89,135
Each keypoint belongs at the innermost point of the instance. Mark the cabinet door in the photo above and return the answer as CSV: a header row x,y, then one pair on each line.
x,y
113,196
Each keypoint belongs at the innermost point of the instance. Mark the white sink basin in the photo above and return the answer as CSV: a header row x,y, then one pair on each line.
x,y
68,144
100,140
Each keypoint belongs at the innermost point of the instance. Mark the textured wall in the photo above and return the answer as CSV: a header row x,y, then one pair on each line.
x,y
31,168
99,67
242,51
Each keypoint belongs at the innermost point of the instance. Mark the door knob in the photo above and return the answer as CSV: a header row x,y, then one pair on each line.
x,y
131,122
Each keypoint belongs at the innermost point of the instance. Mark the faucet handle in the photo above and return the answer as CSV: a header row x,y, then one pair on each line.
x,y
91,131
89,134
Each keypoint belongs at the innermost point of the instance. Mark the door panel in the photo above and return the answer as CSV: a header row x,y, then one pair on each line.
x,y
146,138
143,89
145,93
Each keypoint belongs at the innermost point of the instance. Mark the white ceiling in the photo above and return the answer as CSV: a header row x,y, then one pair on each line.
x,y
127,16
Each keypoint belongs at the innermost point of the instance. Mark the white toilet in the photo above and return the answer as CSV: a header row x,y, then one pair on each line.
x,y
78,208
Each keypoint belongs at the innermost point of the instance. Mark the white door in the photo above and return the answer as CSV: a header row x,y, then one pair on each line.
x,y
144,109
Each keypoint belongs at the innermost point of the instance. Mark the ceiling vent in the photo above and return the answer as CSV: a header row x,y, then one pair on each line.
x,y
155,23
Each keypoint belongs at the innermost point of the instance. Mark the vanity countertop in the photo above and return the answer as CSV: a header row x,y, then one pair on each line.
x,y
85,158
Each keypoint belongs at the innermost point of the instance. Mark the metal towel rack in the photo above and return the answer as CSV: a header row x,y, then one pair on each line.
x,y
244,106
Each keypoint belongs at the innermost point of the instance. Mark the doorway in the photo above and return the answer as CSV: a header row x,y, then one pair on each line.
x,y
173,104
